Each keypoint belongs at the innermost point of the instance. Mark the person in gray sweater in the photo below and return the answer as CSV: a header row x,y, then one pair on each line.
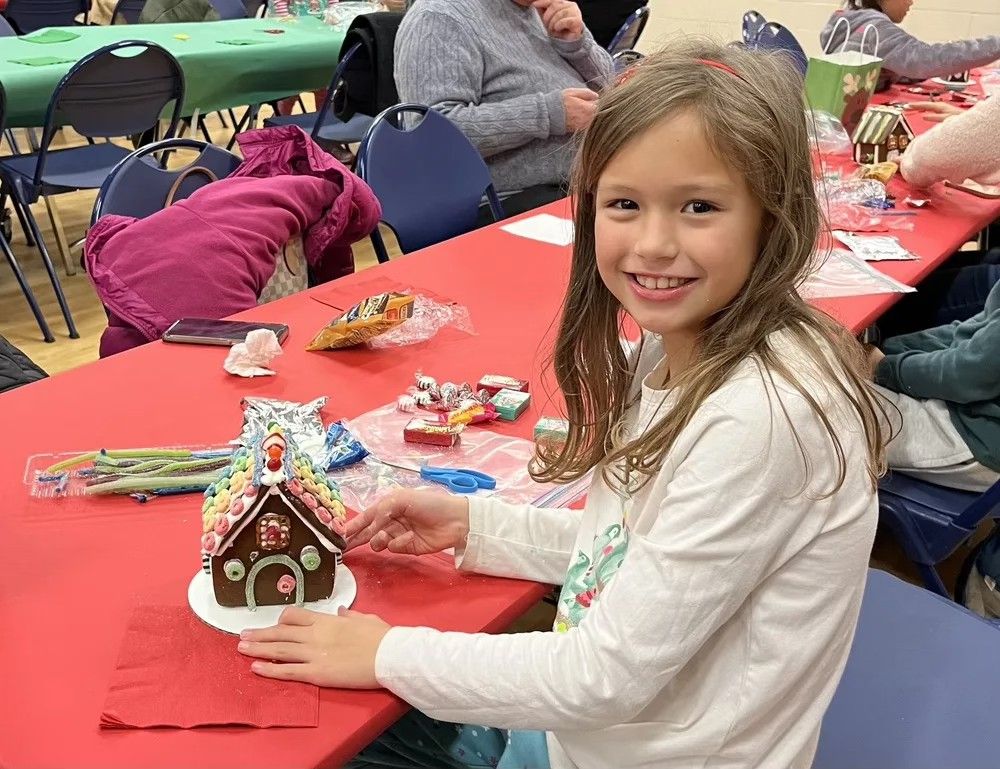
x,y
519,78
905,57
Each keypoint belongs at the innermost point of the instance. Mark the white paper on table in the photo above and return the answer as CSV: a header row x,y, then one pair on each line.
x,y
874,248
544,227
841,273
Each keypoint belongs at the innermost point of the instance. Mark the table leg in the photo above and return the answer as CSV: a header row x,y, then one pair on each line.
x,y
57,228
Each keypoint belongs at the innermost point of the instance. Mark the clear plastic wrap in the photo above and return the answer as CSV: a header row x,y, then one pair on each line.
x,y
846,206
827,135
381,432
429,317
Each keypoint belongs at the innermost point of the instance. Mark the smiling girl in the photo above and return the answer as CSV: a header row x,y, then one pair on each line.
x,y
712,584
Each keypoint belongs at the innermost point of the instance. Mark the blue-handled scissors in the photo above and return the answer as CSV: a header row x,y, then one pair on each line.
x,y
458,481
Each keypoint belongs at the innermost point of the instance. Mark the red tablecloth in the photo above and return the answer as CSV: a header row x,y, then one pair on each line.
x,y
75,569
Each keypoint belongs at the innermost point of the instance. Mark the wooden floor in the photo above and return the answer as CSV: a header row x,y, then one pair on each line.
x,y
17,323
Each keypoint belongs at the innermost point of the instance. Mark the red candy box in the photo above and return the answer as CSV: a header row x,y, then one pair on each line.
x,y
494,383
421,431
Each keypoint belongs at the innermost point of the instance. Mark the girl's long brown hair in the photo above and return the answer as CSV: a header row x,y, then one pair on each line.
x,y
755,121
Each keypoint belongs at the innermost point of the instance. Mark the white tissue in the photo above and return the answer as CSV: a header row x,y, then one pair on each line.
x,y
251,357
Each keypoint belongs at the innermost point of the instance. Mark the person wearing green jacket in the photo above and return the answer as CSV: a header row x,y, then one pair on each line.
x,y
945,384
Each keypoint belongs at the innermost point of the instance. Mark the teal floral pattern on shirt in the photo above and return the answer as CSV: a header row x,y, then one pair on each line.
x,y
588,575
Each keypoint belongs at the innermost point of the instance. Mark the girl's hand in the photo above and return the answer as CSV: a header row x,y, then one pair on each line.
x,y
936,111
412,521
317,648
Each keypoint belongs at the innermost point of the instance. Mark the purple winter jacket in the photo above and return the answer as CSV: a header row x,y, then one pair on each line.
x,y
212,254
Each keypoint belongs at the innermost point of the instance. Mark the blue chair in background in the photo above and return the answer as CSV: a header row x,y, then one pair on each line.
x,y
140,184
752,22
8,253
28,16
625,59
230,9
428,177
322,126
127,11
774,37
104,95
930,522
627,37
921,689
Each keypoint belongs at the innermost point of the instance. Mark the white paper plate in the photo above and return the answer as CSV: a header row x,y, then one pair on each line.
x,y
233,619
950,85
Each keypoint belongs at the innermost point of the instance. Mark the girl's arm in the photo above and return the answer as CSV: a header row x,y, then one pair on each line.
x,y
962,147
733,512
908,56
518,541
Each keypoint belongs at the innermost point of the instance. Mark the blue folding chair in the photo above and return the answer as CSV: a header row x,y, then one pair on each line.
x,y
920,691
8,253
752,22
930,522
628,35
428,177
28,16
139,185
625,59
774,37
322,125
104,95
230,9
127,11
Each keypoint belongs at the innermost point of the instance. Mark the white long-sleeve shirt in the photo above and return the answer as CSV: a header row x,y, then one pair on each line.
x,y
721,637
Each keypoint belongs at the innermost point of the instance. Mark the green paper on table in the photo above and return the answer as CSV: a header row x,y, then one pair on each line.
x,y
42,61
51,36
241,41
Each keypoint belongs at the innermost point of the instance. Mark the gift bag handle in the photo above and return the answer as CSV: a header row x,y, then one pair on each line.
x,y
833,34
189,171
864,39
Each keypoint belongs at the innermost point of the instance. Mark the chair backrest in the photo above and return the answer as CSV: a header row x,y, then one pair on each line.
x,y
6,30
30,15
630,32
138,186
335,81
625,59
428,177
127,11
230,9
919,689
986,506
774,37
752,22
105,95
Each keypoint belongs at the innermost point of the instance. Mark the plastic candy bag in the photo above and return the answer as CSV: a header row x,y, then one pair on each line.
x,y
364,321
827,134
429,316
381,433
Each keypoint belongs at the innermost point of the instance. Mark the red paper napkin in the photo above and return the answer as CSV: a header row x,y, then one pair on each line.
x,y
173,670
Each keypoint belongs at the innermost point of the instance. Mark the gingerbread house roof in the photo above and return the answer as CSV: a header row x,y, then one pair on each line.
x,y
271,464
878,123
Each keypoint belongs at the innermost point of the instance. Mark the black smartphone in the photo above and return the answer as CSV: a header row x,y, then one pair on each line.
x,y
224,333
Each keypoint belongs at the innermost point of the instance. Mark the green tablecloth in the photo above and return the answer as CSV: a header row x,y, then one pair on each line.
x,y
217,75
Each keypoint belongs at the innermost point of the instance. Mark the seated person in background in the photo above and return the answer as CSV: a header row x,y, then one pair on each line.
x,y
519,78
945,382
904,55
963,147
605,17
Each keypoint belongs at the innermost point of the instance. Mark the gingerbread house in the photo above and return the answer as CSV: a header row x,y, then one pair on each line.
x,y
273,526
882,135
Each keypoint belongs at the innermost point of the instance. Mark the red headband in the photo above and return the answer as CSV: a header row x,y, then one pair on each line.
x,y
719,66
